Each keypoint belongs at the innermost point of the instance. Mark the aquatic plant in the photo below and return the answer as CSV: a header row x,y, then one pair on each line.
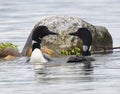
x,y
71,51
8,45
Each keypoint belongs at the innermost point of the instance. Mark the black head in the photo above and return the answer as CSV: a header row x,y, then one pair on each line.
x,y
85,35
38,33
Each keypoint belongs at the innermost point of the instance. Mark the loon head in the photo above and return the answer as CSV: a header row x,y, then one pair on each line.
x,y
38,34
85,35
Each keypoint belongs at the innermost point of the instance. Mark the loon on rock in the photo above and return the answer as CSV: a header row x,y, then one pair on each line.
x,y
37,36
85,35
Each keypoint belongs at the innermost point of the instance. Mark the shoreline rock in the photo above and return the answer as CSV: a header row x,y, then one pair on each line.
x,y
9,53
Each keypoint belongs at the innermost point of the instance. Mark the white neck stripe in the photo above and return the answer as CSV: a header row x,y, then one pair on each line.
x,y
85,48
40,38
33,41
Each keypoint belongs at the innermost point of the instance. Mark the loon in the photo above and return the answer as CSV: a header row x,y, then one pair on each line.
x,y
37,36
85,35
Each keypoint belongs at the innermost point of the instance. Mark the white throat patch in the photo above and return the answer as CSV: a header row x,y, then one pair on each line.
x,y
90,48
85,47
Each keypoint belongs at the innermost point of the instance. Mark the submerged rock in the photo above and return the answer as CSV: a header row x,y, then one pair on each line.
x,y
64,25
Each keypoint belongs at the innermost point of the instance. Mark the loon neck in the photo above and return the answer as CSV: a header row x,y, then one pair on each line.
x,y
36,44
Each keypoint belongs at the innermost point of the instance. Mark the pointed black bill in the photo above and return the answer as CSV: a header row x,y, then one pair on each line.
x,y
73,34
53,33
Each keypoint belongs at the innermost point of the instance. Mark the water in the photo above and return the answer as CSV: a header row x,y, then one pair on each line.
x,y
17,18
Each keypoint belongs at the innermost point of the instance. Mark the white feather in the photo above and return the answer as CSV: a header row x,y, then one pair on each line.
x,y
37,57
85,48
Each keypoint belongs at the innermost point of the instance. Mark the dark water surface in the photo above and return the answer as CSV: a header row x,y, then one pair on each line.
x,y
17,18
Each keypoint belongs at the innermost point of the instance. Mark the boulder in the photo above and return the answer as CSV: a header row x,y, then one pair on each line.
x,y
102,39
9,51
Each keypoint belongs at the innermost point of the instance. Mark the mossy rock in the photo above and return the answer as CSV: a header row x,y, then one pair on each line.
x,y
8,49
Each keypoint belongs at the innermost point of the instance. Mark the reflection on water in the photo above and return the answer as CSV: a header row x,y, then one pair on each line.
x,y
101,77
68,73
17,18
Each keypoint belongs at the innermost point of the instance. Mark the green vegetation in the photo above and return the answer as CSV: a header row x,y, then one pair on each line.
x,y
8,45
72,51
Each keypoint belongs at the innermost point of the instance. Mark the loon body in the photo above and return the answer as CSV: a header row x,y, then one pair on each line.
x,y
37,36
37,56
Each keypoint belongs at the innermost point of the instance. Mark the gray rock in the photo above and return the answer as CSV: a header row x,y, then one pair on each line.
x,y
66,24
